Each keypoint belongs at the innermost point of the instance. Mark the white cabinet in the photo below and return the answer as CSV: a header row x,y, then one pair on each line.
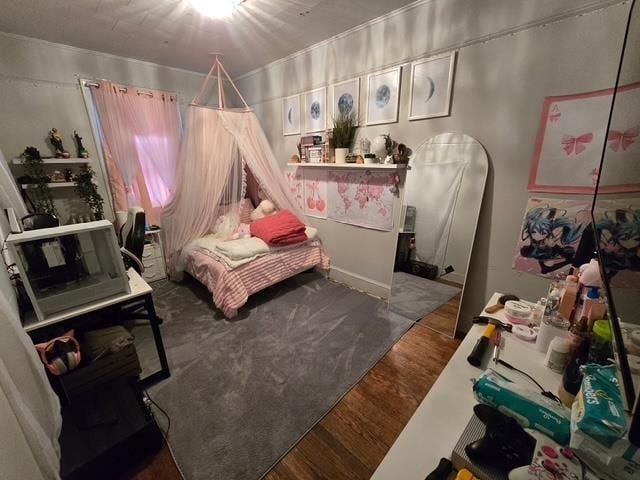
x,y
153,257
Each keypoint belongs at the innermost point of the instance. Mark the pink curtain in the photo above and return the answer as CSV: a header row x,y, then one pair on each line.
x,y
141,132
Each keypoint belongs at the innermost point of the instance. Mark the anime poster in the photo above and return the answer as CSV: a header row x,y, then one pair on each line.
x,y
315,193
364,198
550,234
618,234
294,181
571,137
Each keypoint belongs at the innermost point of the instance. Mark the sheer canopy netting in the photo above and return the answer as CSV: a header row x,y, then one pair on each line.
x,y
217,146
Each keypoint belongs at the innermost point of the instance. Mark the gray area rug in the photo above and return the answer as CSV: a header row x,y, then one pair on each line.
x,y
413,297
243,392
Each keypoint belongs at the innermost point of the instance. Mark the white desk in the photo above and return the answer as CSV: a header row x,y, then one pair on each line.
x,y
140,293
436,425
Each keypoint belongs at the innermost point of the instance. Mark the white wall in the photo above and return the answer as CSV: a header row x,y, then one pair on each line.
x,y
39,89
512,54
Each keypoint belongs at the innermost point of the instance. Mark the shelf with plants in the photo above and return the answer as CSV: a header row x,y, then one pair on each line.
x,y
354,166
56,161
50,185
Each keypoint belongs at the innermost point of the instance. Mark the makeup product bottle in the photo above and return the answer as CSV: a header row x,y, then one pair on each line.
x,y
538,312
569,297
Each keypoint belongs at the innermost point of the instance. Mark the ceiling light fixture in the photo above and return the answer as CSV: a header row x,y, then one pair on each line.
x,y
215,8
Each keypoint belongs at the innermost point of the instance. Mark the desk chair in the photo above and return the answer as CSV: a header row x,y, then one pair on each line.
x,y
132,238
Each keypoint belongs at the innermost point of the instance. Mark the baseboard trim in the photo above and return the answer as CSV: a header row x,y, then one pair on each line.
x,y
360,282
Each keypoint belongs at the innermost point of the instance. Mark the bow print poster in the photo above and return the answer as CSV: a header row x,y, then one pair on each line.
x,y
294,181
315,193
572,133
364,198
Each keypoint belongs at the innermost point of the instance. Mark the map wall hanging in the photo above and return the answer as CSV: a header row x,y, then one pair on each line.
x,y
571,137
364,198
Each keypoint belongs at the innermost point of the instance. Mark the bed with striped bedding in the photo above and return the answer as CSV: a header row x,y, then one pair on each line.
x,y
231,287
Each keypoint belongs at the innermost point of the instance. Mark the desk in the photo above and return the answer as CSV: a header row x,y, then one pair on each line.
x,y
434,428
140,292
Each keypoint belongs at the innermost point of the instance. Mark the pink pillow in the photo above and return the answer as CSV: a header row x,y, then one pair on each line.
x,y
246,207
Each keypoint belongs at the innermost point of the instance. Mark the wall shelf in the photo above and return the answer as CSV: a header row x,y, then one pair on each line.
x,y
57,161
51,185
353,166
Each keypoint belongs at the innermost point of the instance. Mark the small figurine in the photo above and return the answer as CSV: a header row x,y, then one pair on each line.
x,y
56,142
57,176
82,152
68,175
294,159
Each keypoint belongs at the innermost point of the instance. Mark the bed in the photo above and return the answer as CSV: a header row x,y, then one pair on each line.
x,y
231,283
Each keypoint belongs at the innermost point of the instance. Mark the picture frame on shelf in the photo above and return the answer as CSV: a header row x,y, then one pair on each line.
x,y
383,96
346,98
291,115
431,86
315,115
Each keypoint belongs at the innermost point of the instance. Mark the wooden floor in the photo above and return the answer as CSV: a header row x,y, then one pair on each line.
x,y
351,441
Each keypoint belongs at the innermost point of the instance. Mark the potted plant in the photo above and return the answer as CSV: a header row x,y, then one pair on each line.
x,y
344,131
38,192
88,191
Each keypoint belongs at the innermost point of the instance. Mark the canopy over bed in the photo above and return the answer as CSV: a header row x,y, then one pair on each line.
x,y
219,146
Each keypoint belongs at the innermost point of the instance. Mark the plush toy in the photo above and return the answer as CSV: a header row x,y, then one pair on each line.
x,y
243,231
265,209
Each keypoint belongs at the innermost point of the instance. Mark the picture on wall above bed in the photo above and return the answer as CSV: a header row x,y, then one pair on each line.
x,y
383,95
295,183
346,98
315,193
291,115
550,235
314,110
571,137
362,198
431,83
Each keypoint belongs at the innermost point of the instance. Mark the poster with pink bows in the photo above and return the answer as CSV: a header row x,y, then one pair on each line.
x,y
571,137
294,180
364,198
315,193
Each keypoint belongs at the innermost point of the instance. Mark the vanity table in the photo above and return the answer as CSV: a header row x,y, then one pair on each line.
x,y
436,425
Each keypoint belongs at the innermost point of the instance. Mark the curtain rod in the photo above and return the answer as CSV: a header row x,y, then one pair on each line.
x,y
91,83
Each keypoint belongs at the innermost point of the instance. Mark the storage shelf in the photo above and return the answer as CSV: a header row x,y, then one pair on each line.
x,y
51,185
353,166
57,161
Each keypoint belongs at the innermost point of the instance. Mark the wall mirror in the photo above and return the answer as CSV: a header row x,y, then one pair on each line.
x,y
616,212
442,198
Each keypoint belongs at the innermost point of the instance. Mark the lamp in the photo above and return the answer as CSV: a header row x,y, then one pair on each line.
x,y
215,8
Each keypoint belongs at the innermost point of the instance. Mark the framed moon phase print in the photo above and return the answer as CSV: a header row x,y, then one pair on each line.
x,y
431,82
383,95
346,98
291,115
314,110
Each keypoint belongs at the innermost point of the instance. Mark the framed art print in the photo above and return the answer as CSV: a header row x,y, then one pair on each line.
x,y
383,95
291,115
431,82
314,110
346,98
571,136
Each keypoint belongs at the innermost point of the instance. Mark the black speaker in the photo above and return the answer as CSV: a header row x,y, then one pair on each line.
x,y
420,269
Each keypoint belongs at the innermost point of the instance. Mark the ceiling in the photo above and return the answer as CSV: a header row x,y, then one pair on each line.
x,y
169,32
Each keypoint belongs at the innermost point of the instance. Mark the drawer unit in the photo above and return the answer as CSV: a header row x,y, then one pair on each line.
x,y
153,257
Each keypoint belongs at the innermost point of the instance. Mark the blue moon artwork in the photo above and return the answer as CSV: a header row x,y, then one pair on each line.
x,y
383,95
345,103
432,89
289,116
315,110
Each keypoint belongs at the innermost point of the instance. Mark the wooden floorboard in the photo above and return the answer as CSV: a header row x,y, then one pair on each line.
x,y
352,439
